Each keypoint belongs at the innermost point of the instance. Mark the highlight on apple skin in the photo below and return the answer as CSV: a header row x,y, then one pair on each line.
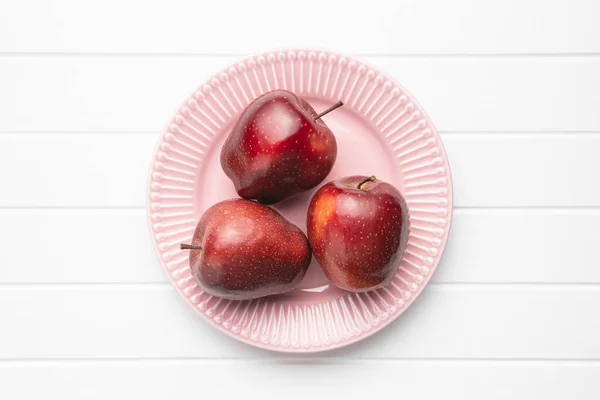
x,y
358,230
278,147
243,250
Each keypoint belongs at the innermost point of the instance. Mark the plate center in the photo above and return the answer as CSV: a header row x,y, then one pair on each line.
x,y
361,151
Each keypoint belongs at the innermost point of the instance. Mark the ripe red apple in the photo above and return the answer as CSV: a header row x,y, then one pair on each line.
x,y
358,230
244,250
278,147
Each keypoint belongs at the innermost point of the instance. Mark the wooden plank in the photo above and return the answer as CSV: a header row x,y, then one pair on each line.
x,y
521,246
80,246
132,94
382,26
524,170
110,170
75,170
113,246
447,321
299,380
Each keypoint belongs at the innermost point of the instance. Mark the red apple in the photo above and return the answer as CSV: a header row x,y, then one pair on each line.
x,y
278,147
358,230
244,250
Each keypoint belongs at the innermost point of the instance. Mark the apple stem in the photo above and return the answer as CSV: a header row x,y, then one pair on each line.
x,y
369,179
330,109
184,246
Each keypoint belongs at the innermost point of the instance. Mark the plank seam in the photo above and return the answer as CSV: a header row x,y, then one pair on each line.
x,y
294,359
166,285
33,54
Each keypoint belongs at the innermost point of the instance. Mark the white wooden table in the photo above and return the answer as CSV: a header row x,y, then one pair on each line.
x,y
514,308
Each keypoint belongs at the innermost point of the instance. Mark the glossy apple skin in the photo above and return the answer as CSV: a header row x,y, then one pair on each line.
x,y
358,236
248,251
276,149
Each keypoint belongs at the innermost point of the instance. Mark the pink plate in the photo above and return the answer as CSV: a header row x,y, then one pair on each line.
x,y
381,130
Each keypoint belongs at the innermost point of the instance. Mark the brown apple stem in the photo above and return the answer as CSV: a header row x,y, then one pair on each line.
x,y
369,179
184,246
330,109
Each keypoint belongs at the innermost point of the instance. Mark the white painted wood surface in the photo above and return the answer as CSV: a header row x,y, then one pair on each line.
x,y
478,321
513,169
357,380
553,246
512,311
460,93
379,26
